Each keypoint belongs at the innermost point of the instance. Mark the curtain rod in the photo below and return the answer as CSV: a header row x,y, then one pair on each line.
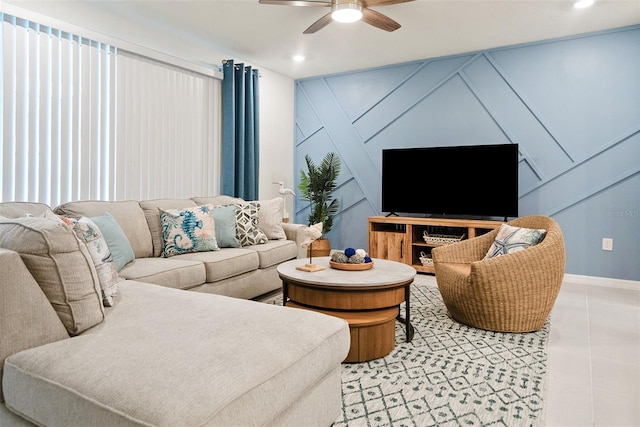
x,y
226,62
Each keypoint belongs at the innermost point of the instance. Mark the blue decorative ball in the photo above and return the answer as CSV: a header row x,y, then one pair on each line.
x,y
367,259
349,252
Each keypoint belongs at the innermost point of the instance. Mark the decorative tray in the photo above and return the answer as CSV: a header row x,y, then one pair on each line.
x,y
350,267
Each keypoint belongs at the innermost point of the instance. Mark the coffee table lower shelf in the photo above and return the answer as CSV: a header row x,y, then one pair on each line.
x,y
372,331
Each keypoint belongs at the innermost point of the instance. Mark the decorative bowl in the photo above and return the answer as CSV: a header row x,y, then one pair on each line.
x,y
350,267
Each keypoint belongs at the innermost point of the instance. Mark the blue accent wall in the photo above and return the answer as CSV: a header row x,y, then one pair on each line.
x,y
572,105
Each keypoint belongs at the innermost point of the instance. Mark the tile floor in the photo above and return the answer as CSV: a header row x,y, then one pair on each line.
x,y
594,356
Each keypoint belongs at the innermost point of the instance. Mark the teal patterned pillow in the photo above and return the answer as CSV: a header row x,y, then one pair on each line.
x,y
188,230
247,230
513,239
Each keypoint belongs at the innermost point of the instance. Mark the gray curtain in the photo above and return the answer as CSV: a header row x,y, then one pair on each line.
x,y
240,131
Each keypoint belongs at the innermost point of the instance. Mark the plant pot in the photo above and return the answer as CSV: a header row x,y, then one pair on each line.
x,y
320,247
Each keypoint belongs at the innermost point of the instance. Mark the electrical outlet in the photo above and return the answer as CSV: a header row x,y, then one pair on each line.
x,y
607,244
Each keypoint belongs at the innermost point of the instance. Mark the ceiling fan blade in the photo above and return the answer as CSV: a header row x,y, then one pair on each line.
x,y
379,20
373,3
296,3
319,24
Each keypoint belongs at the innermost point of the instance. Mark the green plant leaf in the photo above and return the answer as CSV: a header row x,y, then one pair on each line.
x,y
317,185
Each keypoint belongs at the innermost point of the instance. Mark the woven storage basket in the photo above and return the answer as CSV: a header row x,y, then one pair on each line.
x,y
440,239
426,260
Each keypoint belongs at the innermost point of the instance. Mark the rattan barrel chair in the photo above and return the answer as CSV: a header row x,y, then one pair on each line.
x,y
507,293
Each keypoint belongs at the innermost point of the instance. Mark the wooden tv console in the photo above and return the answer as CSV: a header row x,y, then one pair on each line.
x,y
401,239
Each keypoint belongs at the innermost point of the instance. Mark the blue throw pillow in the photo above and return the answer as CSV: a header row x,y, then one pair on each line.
x,y
225,221
116,239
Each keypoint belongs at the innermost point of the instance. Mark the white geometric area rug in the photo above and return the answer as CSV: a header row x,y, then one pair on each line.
x,y
449,374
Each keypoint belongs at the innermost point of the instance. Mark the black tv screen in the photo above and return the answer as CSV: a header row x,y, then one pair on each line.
x,y
460,181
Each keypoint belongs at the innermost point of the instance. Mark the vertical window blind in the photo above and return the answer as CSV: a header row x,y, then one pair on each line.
x,y
85,120
168,130
57,127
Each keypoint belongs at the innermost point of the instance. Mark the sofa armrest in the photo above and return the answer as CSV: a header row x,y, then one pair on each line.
x,y
294,232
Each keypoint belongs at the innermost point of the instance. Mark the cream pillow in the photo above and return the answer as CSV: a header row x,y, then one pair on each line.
x,y
270,218
62,266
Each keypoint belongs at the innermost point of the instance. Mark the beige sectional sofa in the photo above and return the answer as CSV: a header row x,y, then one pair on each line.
x,y
246,272
192,351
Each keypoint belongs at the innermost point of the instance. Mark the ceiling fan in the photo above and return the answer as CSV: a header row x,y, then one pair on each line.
x,y
346,11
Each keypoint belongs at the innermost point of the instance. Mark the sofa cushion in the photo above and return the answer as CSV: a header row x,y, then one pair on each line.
x,y
9,419
151,209
61,265
27,319
275,252
169,357
116,239
188,230
128,214
225,263
18,209
174,272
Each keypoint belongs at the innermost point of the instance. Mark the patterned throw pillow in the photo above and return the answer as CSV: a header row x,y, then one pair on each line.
x,y
513,239
188,230
89,233
247,230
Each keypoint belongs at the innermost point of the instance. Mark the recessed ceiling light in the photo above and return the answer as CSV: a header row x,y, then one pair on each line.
x,y
298,58
581,4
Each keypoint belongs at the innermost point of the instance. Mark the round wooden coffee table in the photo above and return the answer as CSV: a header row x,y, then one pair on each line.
x,y
369,300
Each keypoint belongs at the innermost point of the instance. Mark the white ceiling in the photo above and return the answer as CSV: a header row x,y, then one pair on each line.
x,y
206,31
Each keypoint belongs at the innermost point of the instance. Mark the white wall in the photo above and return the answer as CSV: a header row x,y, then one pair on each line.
x,y
276,135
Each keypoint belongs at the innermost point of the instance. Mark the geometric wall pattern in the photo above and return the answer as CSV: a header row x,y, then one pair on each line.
x,y
572,105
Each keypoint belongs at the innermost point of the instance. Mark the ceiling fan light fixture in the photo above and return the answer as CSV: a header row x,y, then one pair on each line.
x,y
346,12
582,4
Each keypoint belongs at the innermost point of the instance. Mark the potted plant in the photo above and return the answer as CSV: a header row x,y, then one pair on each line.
x,y
316,186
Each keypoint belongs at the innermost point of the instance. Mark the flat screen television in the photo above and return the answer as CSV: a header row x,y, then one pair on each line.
x,y
471,181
